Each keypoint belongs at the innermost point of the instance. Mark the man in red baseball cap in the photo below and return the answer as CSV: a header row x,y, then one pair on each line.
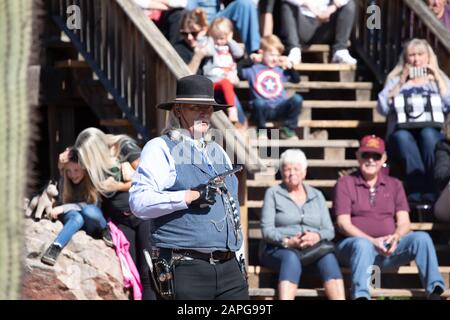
x,y
372,213
372,143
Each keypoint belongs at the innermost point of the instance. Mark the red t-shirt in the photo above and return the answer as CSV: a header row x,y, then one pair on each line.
x,y
352,196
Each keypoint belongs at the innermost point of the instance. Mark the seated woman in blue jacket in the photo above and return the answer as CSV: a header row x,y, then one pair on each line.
x,y
295,217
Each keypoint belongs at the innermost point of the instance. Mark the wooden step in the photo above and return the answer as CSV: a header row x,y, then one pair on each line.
x,y
257,204
324,67
56,43
256,270
338,104
332,150
70,63
321,85
415,226
271,183
335,104
254,229
305,143
316,48
325,124
375,293
115,123
322,50
316,163
429,226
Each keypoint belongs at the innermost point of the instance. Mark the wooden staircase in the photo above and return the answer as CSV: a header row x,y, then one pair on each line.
x,y
337,112
119,66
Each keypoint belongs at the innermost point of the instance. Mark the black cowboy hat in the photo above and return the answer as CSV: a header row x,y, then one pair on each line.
x,y
195,89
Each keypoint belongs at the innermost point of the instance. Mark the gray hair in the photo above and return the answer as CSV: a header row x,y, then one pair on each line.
x,y
173,128
294,156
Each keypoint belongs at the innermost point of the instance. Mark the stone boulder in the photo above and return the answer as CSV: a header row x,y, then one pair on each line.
x,y
85,269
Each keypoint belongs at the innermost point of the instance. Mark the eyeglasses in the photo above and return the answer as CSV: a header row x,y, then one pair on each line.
x,y
187,33
375,156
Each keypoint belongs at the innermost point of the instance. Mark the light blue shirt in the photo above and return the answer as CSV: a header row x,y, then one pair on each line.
x,y
156,173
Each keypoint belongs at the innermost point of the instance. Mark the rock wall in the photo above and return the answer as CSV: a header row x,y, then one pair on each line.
x,y
85,269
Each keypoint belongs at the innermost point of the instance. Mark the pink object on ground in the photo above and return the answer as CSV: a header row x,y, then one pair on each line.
x,y
130,274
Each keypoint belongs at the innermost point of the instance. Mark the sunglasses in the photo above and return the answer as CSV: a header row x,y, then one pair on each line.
x,y
375,156
187,33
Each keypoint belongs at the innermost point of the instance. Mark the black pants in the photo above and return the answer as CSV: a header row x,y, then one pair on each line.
x,y
137,232
298,30
199,280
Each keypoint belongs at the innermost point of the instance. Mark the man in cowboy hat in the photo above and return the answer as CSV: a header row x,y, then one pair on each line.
x,y
196,230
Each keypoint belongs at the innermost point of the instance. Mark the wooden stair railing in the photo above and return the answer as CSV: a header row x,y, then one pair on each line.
x,y
136,65
122,46
401,20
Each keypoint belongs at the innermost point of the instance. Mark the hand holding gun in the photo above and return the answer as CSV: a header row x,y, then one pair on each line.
x,y
214,186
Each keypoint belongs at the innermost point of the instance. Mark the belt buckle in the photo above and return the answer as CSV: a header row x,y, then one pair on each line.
x,y
212,260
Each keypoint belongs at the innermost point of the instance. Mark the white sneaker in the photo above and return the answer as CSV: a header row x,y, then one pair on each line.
x,y
295,55
343,56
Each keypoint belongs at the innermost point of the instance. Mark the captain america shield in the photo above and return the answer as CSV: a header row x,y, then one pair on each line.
x,y
268,84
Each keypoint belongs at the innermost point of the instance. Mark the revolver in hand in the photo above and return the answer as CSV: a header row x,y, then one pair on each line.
x,y
215,185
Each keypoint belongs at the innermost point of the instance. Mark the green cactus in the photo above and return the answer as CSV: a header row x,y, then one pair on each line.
x,y
15,41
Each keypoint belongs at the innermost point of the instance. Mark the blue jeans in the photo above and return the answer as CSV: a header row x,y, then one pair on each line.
x,y
286,262
287,111
360,254
90,219
414,150
243,13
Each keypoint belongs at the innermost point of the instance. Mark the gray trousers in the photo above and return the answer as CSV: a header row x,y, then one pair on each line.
x,y
297,30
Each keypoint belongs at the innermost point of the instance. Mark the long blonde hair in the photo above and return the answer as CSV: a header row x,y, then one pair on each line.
x,y
82,192
398,69
99,153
